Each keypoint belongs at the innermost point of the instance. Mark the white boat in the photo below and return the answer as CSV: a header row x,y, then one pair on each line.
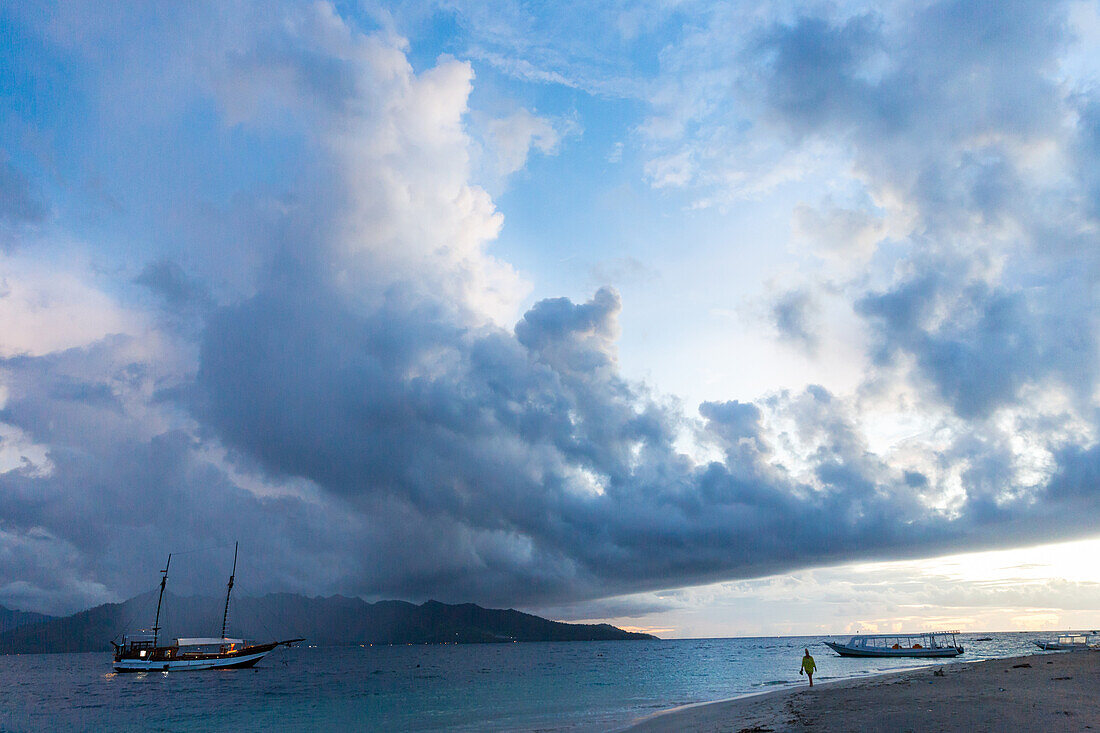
x,y
928,644
141,652
1065,642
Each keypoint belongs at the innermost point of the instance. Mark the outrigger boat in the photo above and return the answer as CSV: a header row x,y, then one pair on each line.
x,y
930,644
1065,643
141,653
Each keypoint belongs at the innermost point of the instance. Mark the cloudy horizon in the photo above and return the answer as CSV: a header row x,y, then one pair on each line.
x,y
700,318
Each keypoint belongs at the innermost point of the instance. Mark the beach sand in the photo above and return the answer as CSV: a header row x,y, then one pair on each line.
x,y
1046,692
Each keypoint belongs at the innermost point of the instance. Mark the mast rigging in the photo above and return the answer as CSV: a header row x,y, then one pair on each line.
x,y
229,590
163,582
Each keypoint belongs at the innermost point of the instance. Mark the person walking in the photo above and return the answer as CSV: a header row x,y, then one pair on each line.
x,y
808,667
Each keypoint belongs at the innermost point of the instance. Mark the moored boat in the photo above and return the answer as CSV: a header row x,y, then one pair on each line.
x,y
1065,642
142,652
933,644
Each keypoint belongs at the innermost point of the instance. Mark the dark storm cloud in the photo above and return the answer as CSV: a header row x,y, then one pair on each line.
x,y
624,607
1078,475
112,481
524,468
452,461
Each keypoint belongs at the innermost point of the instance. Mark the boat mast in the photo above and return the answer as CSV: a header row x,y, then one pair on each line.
x,y
229,590
163,581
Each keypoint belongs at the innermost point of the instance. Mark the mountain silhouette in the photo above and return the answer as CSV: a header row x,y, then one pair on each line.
x,y
9,619
335,620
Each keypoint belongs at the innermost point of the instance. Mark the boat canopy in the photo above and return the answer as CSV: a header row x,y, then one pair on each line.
x,y
204,641
1073,639
915,641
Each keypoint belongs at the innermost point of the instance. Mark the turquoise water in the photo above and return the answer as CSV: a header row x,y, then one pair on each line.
x,y
564,686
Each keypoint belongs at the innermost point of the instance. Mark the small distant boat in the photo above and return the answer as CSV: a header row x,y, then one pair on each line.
x,y
984,638
929,644
1064,642
141,652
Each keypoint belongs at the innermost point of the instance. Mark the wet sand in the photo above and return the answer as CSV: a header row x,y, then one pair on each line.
x,y
1045,692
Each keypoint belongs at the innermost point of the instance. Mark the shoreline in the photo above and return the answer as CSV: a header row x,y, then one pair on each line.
x,y
1037,691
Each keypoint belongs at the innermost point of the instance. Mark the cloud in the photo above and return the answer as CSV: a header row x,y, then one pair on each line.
x,y
168,280
670,171
811,70
994,342
975,592
560,47
46,307
470,462
621,270
19,203
532,464
837,233
515,136
792,313
362,401
979,294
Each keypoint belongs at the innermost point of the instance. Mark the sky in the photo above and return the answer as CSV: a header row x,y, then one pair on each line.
x,y
700,318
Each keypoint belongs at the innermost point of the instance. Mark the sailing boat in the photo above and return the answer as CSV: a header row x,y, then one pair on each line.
x,y
141,653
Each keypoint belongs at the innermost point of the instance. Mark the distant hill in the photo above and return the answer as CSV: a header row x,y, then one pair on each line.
x,y
9,619
336,620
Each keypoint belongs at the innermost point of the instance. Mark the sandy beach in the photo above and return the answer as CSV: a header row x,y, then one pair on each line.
x,y
1049,692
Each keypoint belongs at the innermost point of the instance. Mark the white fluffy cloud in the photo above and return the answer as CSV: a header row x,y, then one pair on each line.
x,y
516,135
46,308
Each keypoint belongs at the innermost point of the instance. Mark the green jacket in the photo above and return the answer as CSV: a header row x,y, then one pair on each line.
x,y
808,665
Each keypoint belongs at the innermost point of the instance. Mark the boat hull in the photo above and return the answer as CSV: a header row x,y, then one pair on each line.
x,y
938,653
232,660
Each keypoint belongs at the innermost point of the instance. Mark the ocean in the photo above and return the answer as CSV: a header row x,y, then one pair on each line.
x,y
554,686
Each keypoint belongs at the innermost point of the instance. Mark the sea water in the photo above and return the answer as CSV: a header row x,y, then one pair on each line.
x,y
554,686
